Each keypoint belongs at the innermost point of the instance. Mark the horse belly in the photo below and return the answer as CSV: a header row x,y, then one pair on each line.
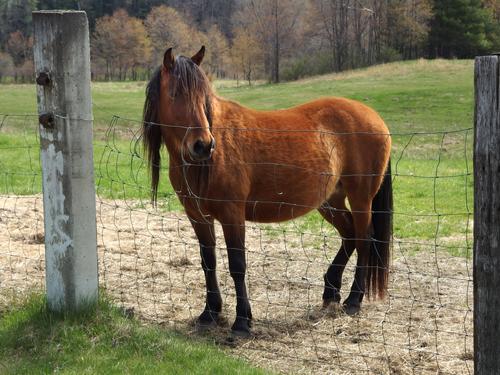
x,y
269,212
287,192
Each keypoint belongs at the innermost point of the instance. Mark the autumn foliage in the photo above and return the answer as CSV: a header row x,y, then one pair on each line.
x,y
272,40
120,45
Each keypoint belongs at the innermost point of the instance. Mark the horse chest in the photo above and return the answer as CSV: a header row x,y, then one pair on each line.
x,y
191,186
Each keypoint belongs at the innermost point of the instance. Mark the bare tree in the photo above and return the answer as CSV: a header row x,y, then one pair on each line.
x,y
217,55
19,47
167,28
6,65
206,13
347,26
408,26
121,43
274,23
246,54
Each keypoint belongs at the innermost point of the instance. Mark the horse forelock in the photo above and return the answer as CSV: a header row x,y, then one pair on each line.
x,y
191,82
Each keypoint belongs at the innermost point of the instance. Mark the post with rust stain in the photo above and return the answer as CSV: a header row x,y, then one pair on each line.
x,y
487,216
62,65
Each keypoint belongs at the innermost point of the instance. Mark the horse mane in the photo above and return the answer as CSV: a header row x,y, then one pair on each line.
x,y
151,130
189,81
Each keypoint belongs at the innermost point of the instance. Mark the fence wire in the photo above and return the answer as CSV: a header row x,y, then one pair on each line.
x,y
21,207
149,258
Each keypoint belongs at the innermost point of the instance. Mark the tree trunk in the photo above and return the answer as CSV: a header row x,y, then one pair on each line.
x,y
276,49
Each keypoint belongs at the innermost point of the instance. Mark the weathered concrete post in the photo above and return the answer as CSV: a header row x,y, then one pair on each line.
x,y
487,216
62,65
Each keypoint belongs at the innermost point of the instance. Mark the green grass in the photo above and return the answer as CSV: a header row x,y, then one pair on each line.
x,y
410,96
105,341
413,97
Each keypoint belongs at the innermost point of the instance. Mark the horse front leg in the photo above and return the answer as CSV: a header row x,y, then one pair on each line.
x,y
235,241
213,305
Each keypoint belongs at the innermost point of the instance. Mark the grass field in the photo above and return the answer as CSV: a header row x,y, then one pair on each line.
x,y
426,104
413,95
104,341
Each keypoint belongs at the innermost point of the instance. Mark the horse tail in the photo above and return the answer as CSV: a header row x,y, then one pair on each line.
x,y
377,275
151,132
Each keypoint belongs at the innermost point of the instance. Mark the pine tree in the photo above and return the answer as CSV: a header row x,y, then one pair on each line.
x,y
459,29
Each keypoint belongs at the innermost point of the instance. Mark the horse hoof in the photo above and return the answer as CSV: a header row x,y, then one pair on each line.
x,y
330,295
328,301
207,320
202,326
241,328
351,309
240,334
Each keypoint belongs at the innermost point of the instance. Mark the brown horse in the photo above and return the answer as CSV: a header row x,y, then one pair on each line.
x,y
232,164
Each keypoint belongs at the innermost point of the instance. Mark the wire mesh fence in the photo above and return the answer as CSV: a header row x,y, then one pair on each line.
x,y
21,206
149,258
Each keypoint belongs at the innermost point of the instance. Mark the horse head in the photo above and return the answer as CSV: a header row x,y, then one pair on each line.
x,y
185,105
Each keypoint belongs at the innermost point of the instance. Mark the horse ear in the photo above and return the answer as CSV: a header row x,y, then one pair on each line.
x,y
168,59
198,58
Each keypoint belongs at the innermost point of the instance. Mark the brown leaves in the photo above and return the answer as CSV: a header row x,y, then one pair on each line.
x,y
121,42
19,47
167,28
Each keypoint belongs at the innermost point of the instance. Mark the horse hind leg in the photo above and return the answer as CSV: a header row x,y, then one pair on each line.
x,y
361,213
373,233
336,213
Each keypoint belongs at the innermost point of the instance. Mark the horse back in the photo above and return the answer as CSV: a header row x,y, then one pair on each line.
x,y
282,164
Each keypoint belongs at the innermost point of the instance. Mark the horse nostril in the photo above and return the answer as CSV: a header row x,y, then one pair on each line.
x,y
212,144
199,147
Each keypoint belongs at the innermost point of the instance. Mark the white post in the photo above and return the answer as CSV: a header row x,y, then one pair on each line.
x,y
62,65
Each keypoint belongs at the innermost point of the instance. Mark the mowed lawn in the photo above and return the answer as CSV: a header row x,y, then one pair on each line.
x,y
428,106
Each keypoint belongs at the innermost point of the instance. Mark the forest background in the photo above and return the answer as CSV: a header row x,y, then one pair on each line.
x,y
248,40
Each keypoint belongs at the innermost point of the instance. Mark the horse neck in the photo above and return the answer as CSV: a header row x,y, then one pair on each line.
x,y
231,114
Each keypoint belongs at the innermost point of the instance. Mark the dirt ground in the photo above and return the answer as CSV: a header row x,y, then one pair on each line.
x,y
149,262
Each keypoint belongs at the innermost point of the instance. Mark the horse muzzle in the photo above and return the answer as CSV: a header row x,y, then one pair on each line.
x,y
202,150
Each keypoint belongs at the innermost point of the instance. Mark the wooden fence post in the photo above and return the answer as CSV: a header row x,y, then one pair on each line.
x,y
487,216
62,65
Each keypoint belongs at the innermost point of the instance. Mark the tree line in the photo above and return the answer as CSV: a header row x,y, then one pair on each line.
x,y
247,40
